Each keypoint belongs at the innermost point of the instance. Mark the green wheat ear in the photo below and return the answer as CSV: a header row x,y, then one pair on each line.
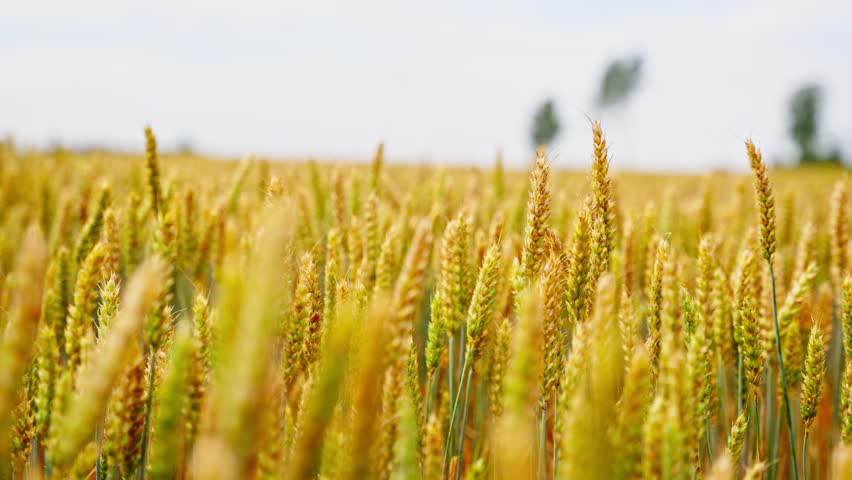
x,y
813,377
481,306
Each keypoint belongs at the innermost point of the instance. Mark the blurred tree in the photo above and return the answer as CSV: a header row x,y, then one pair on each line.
x,y
185,146
805,105
59,150
545,124
620,80
7,143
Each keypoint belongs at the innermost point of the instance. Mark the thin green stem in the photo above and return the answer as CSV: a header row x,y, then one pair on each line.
x,y
723,388
773,464
767,379
805,456
451,366
480,391
707,438
451,427
464,419
432,393
787,409
757,428
771,420
431,382
493,438
148,403
555,443
837,352
739,384
542,444
461,354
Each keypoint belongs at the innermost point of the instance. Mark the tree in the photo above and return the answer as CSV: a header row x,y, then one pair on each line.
x,y
805,106
185,146
545,124
619,81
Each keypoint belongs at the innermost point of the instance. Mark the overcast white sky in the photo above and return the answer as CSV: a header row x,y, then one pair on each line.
x,y
448,81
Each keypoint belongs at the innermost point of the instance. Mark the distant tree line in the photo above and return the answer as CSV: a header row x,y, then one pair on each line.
x,y
621,79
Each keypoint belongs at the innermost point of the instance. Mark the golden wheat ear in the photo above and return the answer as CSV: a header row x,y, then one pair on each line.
x,y
96,382
839,231
538,217
152,170
765,201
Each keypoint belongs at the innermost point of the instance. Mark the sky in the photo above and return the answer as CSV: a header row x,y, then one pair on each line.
x,y
438,81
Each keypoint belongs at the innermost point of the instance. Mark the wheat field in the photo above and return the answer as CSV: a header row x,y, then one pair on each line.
x,y
176,317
